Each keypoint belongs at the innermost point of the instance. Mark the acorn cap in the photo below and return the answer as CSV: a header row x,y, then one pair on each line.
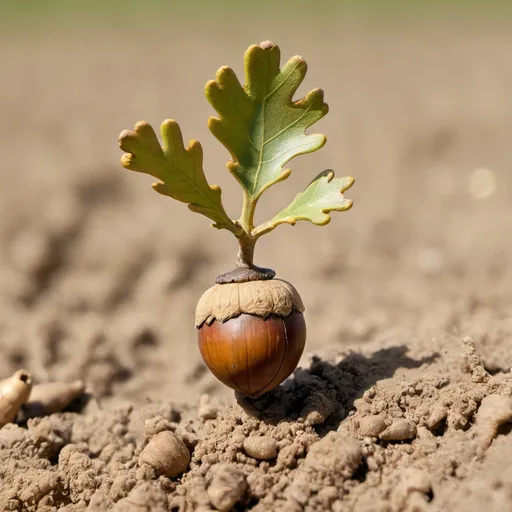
x,y
260,298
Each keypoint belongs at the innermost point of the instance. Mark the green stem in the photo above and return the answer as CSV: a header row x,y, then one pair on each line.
x,y
248,209
245,239
263,229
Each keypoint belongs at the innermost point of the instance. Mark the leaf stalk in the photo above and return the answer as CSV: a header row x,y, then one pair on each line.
x,y
245,239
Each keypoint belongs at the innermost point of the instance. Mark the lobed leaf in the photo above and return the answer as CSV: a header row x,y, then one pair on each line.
x,y
260,124
322,196
179,169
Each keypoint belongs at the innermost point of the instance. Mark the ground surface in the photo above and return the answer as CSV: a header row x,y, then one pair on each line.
x,y
100,275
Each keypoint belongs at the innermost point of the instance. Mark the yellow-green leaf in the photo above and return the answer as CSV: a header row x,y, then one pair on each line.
x,y
179,169
323,195
259,123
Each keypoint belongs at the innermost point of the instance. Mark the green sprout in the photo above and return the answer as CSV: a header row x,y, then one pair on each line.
x,y
263,128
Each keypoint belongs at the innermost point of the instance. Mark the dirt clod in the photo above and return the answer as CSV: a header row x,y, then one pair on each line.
x,y
333,458
227,486
146,497
494,411
400,430
412,490
478,373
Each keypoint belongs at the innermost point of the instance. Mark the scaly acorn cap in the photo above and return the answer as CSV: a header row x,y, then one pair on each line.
x,y
222,302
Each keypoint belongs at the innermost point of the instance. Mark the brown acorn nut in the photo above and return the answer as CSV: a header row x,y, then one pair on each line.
x,y
14,392
252,334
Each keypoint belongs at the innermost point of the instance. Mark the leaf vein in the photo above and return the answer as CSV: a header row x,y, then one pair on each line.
x,y
264,106
285,79
184,176
289,126
291,149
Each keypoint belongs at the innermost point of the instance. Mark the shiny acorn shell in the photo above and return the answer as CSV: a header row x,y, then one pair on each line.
x,y
251,335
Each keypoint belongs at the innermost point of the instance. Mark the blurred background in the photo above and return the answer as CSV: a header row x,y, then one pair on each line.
x,y
99,275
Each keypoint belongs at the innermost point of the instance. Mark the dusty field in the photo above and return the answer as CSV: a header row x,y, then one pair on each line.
x,y
99,276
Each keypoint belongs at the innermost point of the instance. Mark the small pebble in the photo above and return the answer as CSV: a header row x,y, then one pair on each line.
x,y
207,411
260,447
438,414
371,426
400,430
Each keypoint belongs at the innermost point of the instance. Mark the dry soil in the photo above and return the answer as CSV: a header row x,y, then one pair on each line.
x,y
402,398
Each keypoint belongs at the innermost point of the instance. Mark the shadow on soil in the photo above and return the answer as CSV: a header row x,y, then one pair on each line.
x,y
324,393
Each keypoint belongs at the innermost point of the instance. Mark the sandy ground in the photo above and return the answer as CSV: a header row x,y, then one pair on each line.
x,y
99,276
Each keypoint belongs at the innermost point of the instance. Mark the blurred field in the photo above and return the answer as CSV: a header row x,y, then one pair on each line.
x,y
95,8
100,275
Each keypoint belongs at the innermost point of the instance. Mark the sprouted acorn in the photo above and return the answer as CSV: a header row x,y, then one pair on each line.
x,y
251,329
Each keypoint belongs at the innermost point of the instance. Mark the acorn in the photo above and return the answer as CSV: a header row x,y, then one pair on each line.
x,y
251,334
250,326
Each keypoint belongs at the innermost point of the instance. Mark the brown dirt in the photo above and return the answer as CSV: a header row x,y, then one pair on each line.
x,y
393,407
